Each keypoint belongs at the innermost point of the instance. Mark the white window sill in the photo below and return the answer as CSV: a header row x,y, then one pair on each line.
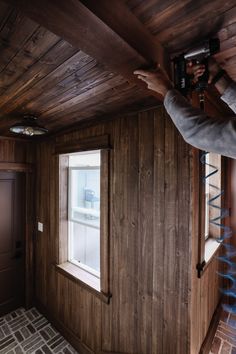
x,y
81,274
85,279
211,246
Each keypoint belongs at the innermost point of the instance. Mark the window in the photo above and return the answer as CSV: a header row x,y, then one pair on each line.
x,y
207,196
83,185
210,186
84,211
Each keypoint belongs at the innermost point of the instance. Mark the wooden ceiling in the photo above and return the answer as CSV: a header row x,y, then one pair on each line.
x,y
180,24
43,74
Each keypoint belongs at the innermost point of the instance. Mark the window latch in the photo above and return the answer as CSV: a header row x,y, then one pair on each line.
x,y
200,267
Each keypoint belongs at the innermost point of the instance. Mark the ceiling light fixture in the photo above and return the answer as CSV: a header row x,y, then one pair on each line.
x,y
28,126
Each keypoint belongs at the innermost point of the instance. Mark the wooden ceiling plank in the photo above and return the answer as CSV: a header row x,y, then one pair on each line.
x,y
103,97
133,4
76,23
228,29
115,103
198,13
101,88
56,56
226,54
143,9
37,45
86,108
229,17
67,68
71,85
228,44
14,34
211,28
147,11
35,103
5,11
170,14
70,91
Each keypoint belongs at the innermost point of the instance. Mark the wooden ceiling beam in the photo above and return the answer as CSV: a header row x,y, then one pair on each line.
x,y
115,38
122,21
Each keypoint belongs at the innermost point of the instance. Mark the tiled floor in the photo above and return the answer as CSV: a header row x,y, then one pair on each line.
x,y
225,337
28,332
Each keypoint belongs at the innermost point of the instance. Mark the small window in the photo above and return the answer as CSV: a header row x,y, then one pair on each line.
x,y
83,185
210,187
207,196
84,211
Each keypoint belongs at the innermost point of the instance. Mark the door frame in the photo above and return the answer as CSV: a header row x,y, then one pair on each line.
x,y
28,170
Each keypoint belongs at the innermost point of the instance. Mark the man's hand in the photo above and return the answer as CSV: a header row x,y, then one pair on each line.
x,y
213,68
195,70
157,80
198,70
224,82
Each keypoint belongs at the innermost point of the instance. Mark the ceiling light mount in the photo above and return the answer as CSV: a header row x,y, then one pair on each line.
x,y
28,126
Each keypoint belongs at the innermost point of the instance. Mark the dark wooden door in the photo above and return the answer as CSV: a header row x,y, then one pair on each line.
x,y
12,248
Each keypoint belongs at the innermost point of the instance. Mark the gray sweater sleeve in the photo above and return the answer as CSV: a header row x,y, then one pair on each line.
x,y
229,96
205,133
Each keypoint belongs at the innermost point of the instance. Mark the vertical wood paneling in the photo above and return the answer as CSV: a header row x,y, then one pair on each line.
x,y
151,248
125,236
16,151
194,220
170,236
183,245
158,232
145,251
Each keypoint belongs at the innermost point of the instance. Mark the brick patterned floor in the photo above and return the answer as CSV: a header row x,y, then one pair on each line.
x,y
28,332
225,337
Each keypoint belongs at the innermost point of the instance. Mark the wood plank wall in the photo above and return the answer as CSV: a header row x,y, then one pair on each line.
x,y
205,294
150,244
16,151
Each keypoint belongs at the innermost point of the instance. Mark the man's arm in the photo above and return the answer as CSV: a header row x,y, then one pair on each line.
x,y
229,96
199,130
205,133
225,85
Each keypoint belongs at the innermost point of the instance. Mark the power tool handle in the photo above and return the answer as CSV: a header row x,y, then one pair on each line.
x,y
202,82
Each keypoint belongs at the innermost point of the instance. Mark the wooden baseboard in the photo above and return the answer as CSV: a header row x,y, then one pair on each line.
x,y
65,332
206,345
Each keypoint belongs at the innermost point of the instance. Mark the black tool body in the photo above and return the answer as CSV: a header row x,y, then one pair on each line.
x,y
198,55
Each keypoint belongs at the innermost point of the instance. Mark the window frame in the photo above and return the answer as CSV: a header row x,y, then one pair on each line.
x,y
62,151
216,179
208,246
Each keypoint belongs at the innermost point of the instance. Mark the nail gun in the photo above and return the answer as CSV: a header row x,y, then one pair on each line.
x,y
197,55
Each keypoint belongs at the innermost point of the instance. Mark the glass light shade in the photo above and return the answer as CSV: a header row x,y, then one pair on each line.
x,y
28,127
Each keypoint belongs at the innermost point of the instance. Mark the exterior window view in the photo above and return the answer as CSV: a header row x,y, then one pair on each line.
x,y
84,211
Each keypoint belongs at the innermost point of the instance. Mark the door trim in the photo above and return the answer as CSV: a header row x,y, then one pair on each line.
x,y
29,224
16,167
